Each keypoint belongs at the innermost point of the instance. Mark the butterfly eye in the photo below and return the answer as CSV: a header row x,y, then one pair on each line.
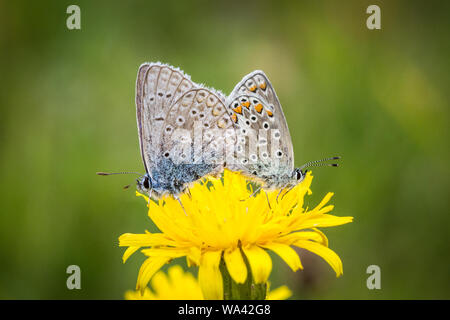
x,y
146,183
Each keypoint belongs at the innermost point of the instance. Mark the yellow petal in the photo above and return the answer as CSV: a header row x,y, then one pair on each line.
x,y
315,235
280,293
286,253
161,285
236,265
320,221
209,275
148,269
136,295
138,194
327,254
144,240
128,253
165,252
260,263
324,200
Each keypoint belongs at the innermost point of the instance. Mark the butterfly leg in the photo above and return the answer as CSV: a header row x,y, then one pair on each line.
x,y
188,191
286,192
181,204
281,190
254,192
268,202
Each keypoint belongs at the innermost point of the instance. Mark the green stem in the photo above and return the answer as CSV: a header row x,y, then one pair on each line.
x,y
248,290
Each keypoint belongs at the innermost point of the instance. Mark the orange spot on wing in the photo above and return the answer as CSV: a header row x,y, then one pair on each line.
x,y
263,86
234,118
269,113
259,107
238,109
252,89
246,104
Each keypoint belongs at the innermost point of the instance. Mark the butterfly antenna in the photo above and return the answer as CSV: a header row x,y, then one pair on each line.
x,y
111,173
318,163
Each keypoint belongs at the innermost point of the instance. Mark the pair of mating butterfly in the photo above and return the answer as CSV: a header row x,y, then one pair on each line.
x,y
168,100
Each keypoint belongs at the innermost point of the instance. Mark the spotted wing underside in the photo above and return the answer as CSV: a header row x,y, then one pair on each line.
x,y
264,146
158,86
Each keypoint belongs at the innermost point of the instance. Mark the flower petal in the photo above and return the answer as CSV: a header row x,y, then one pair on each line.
x,y
144,240
165,252
260,263
128,253
327,254
320,221
280,293
315,235
209,275
236,265
286,253
148,269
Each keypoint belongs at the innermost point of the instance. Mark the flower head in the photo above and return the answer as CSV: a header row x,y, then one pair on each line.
x,y
219,221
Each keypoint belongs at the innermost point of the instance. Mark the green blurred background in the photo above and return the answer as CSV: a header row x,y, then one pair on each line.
x,y
379,98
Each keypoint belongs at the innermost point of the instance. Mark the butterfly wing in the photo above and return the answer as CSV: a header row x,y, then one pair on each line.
x,y
264,148
197,132
157,87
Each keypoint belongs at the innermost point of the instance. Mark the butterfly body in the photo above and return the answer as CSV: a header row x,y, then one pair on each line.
x,y
171,178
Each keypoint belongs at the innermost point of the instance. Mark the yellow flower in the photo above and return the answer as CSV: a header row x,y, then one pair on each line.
x,y
221,221
180,285
176,285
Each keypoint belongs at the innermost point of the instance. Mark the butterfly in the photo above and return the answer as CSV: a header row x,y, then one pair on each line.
x,y
257,116
171,111
173,114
